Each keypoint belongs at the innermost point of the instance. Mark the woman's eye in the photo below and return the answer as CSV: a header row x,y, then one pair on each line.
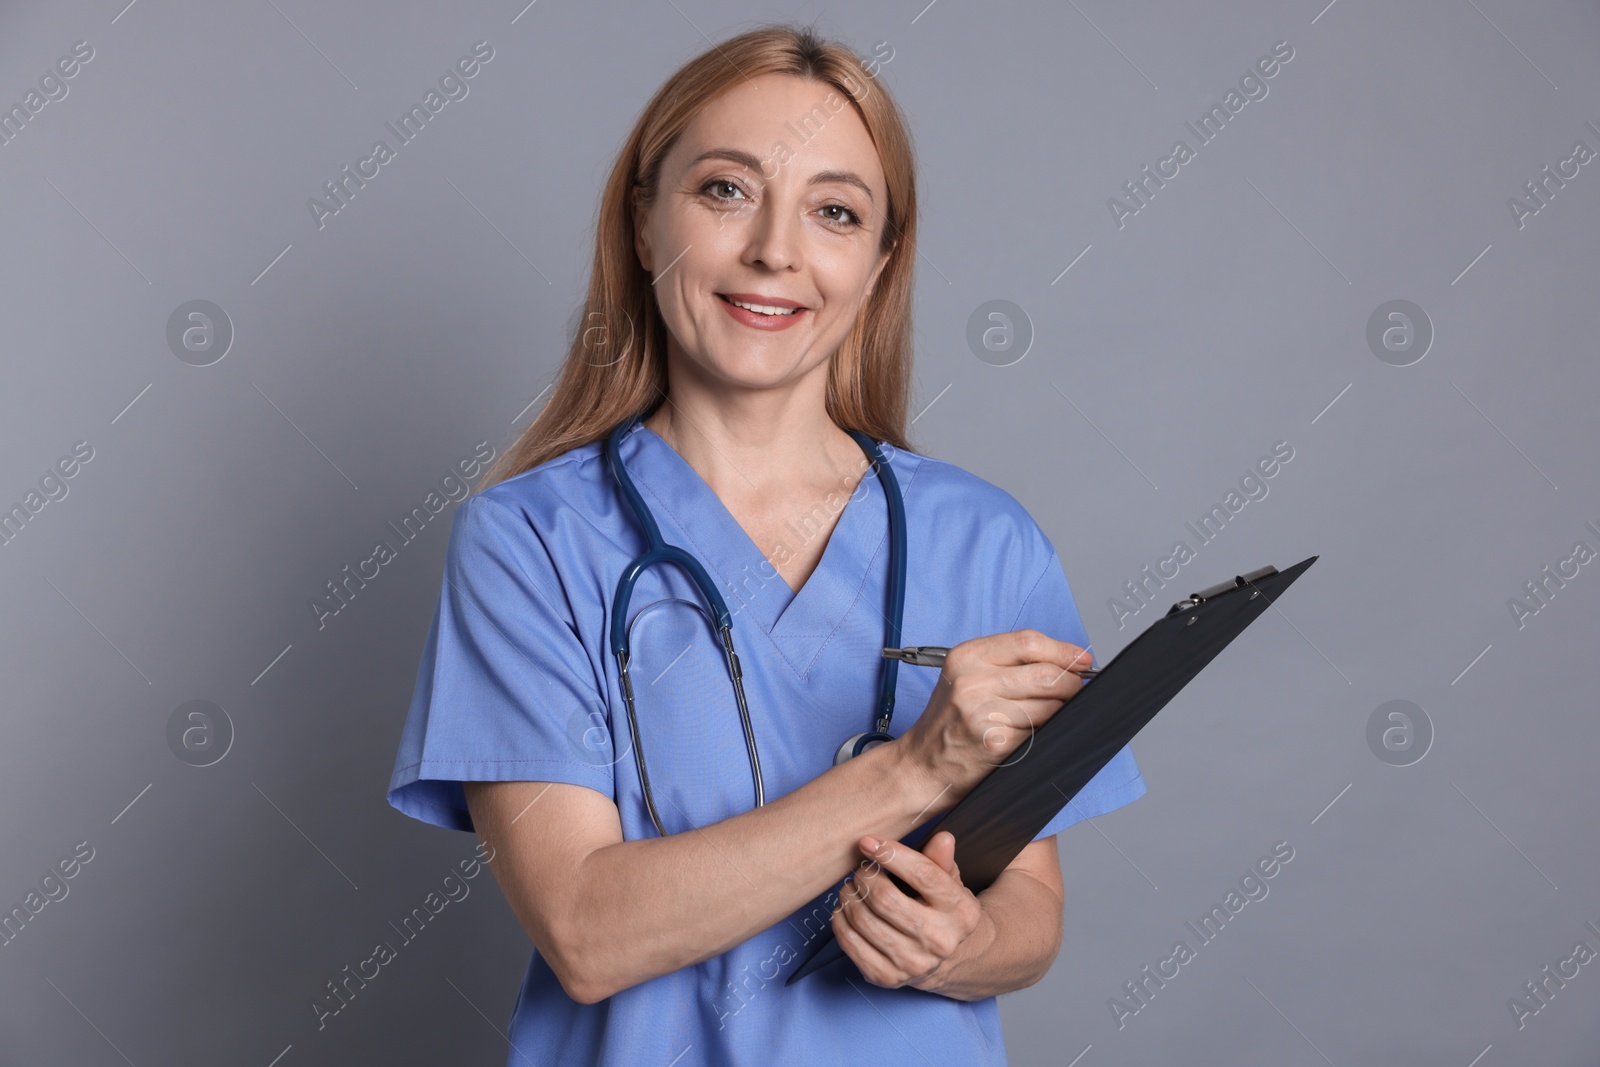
x,y
854,219
716,183
846,218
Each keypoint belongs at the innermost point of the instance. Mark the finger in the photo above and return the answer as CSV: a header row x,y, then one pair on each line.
x,y
911,954
1035,681
885,916
875,966
1029,646
868,876
887,903
915,954
955,868
862,882
864,877
919,872
941,849
1003,722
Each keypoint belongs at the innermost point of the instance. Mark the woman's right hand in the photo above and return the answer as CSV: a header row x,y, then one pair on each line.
x,y
992,693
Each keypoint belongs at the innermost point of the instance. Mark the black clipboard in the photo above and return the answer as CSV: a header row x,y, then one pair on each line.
x,y
1017,799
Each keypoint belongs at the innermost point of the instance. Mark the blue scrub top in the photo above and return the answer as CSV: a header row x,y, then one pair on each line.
x,y
517,683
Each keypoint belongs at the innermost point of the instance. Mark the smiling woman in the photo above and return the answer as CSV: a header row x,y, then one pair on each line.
x,y
764,375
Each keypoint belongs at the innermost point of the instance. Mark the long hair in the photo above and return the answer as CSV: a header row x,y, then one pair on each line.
x,y
616,365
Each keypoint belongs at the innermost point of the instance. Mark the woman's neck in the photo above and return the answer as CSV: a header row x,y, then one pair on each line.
x,y
758,448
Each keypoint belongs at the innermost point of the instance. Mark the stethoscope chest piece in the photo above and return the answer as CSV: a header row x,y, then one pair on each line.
x,y
854,746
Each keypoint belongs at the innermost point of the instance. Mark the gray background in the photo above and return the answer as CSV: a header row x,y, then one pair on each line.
x,y
1229,314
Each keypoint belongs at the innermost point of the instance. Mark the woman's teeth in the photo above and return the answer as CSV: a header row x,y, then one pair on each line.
x,y
761,309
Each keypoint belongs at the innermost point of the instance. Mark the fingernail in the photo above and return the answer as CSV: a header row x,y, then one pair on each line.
x,y
873,844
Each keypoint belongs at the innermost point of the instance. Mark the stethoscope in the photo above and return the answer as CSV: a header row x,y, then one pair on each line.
x,y
659,551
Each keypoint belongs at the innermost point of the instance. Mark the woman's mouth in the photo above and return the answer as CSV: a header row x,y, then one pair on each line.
x,y
761,316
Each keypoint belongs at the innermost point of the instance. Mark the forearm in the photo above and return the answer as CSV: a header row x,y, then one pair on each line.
x,y
1013,947
649,907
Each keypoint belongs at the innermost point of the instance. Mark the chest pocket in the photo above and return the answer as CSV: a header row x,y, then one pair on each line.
x,y
689,732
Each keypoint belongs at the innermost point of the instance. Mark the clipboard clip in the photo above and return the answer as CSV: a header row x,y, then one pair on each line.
x,y
1239,581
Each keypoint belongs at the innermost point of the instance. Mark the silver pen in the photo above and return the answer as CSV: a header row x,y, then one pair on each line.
x,y
933,656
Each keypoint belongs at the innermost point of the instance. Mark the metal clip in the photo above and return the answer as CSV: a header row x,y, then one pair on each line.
x,y
1239,582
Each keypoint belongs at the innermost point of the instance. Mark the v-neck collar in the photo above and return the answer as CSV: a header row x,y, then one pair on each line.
x,y
693,517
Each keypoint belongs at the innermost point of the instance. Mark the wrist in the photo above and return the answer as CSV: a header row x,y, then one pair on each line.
x,y
923,791
976,944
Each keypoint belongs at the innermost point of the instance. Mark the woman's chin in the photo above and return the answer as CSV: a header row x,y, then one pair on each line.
x,y
753,373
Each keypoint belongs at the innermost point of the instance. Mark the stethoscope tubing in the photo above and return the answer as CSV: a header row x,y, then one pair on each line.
x,y
658,551
897,575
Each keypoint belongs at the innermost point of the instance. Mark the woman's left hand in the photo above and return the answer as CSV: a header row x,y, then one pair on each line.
x,y
894,939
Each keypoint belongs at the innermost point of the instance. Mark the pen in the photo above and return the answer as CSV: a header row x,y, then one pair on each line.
x,y
933,656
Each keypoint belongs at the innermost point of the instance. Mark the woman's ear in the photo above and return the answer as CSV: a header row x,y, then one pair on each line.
x,y
872,282
641,243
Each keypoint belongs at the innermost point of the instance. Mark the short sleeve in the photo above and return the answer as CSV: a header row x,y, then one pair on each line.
x,y
1050,609
505,690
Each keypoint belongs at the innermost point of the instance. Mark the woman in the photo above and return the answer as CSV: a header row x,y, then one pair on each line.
x,y
749,305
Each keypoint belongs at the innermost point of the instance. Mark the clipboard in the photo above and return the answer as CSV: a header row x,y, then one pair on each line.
x,y
1004,812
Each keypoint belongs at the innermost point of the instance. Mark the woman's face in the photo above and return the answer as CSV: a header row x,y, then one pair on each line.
x,y
773,195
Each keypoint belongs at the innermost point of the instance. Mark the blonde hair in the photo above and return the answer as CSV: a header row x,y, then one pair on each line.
x,y
616,364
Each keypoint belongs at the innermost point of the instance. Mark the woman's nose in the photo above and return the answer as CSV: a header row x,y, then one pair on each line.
x,y
774,235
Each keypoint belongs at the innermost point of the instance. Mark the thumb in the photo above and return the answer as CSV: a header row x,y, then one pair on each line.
x,y
941,849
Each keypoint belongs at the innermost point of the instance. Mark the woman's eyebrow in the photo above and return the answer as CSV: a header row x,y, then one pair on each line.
x,y
746,159
822,177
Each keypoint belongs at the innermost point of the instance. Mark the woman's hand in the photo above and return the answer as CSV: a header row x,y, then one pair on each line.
x,y
992,693
896,940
